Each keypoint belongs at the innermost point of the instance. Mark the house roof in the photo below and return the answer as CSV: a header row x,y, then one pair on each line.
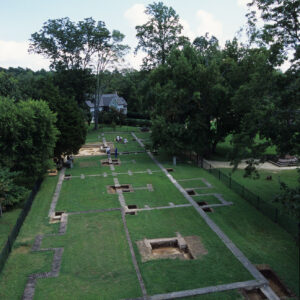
x,y
106,100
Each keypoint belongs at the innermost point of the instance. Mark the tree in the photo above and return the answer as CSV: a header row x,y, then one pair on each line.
x,y
187,93
106,56
75,47
75,84
28,138
8,85
70,117
10,192
267,103
281,27
69,45
159,35
71,124
290,198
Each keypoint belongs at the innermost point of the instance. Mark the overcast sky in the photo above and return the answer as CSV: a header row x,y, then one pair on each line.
x,y
20,18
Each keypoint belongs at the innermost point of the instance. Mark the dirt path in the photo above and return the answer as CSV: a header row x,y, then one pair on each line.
x,y
242,165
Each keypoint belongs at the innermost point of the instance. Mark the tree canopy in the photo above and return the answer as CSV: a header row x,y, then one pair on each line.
x,y
28,137
69,45
159,35
281,28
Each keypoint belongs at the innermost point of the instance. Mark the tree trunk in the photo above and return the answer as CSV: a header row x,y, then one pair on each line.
x,y
214,146
98,96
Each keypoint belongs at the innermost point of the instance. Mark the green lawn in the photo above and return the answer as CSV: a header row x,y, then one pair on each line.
x,y
22,262
224,148
256,235
86,194
266,189
7,222
167,275
96,262
163,190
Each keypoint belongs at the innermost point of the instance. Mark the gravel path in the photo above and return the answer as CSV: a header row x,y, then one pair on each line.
x,y
242,165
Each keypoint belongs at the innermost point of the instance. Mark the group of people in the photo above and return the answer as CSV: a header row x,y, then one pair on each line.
x,y
119,139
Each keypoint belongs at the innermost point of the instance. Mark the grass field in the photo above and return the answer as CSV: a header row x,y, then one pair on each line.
x,y
7,222
266,189
97,262
224,148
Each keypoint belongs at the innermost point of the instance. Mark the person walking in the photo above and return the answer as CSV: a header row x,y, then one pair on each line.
x,y
108,151
116,153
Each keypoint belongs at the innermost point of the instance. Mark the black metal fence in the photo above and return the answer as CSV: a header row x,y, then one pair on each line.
x,y
285,221
15,231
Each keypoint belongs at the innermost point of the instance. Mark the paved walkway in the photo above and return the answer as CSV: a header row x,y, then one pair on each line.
x,y
57,192
228,243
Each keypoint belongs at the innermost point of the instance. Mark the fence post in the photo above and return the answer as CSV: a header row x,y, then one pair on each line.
x,y
299,232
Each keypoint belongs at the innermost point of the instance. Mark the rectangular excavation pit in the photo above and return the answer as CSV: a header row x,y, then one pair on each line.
x,y
188,247
170,248
191,192
52,172
107,162
132,206
67,176
275,283
56,217
206,209
125,188
254,294
131,210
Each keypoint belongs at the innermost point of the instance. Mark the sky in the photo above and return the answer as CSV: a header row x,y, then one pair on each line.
x,y
21,18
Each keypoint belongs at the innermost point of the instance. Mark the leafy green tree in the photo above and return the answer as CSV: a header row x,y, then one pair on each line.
x,y
69,45
8,136
186,94
10,192
76,84
290,198
77,47
159,35
281,24
267,101
8,85
70,117
71,124
36,137
28,138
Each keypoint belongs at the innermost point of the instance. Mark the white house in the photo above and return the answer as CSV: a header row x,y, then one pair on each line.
x,y
107,101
